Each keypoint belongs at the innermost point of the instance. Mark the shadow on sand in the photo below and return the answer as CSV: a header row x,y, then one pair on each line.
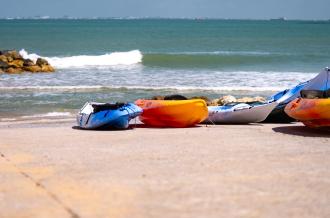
x,y
139,125
101,129
302,131
132,126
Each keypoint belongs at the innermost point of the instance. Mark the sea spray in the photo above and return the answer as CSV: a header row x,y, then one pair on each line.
x,y
33,57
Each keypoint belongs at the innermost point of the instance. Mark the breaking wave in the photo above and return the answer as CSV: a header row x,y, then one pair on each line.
x,y
175,59
81,61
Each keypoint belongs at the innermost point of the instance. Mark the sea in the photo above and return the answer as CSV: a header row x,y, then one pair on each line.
x,y
110,60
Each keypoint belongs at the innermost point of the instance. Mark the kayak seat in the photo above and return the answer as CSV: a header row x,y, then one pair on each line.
x,y
175,97
313,94
107,106
252,103
327,93
241,106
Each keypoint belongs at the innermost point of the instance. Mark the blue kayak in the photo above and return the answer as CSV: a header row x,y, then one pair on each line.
x,y
283,98
107,115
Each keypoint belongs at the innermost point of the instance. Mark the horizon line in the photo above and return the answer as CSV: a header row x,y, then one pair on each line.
x,y
153,18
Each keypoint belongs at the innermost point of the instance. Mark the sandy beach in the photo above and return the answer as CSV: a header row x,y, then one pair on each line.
x,y
50,169
96,64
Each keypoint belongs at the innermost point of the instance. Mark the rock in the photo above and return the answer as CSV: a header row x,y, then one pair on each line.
x,y
16,63
12,62
226,99
44,65
251,99
3,58
3,52
47,68
3,65
13,54
214,102
41,61
33,69
13,70
245,99
260,99
9,58
28,62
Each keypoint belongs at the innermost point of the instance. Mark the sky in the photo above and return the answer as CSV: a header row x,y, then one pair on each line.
x,y
228,9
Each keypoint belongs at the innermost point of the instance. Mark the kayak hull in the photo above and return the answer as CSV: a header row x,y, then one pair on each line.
x,y
172,113
312,112
252,114
278,116
283,98
107,119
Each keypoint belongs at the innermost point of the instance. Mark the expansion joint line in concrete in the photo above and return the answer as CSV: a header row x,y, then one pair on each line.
x,y
52,195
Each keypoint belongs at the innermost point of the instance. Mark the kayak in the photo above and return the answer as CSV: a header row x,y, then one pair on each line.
x,y
239,113
313,106
311,112
107,115
172,113
283,98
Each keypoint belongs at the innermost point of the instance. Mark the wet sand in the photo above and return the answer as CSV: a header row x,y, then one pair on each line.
x,y
49,169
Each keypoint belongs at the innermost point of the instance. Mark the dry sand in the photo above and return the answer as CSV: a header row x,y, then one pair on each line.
x,y
268,170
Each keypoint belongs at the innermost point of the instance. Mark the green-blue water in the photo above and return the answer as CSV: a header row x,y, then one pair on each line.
x,y
193,57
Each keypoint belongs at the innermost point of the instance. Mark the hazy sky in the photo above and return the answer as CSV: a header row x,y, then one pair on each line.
x,y
255,9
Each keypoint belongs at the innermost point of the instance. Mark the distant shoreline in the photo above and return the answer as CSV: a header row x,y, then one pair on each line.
x,y
163,18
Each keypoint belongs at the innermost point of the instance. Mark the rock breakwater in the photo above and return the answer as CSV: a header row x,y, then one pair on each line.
x,y
12,62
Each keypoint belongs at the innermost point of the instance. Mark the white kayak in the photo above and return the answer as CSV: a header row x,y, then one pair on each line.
x,y
240,113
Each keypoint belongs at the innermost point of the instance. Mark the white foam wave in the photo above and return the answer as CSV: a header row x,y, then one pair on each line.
x,y
182,88
50,114
7,119
26,55
80,61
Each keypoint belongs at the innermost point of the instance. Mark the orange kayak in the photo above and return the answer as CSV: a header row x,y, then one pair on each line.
x,y
172,113
312,112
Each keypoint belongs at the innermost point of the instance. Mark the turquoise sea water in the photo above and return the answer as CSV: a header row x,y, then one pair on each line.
x,y
122,60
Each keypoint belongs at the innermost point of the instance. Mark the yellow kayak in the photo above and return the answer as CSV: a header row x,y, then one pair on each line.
x,y
172,113
312,112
